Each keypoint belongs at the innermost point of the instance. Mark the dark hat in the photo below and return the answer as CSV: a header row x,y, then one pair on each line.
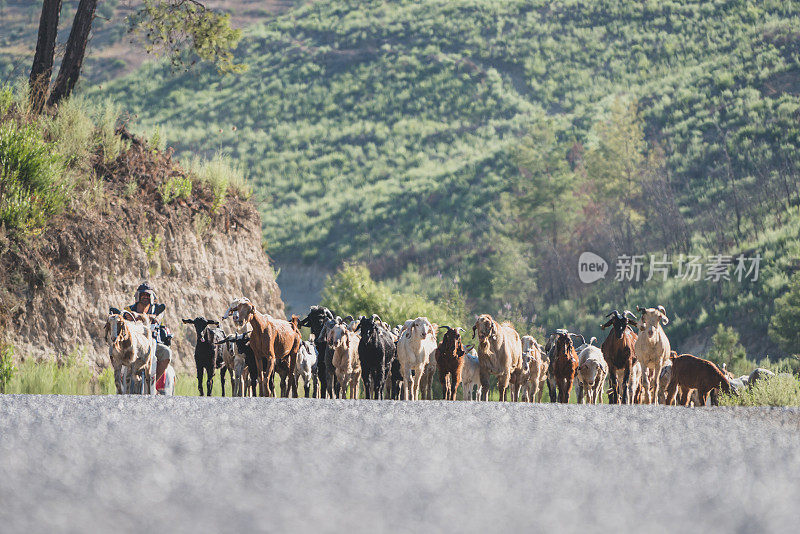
x,y
145,287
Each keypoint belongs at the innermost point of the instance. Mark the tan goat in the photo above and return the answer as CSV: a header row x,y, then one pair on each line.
x,y
131,347
347,363
499,353
652,350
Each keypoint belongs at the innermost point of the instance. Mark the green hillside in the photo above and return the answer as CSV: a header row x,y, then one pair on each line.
x,y
397,133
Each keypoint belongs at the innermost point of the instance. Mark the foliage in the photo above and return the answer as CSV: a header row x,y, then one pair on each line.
x,y
178,28
32,185
72,131
784,326
352,291
7,368
175,187
221,175
781,390
111,144
725,348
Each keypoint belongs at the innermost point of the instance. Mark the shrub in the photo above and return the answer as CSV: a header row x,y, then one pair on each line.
x,y
353,291
7,368
110,143
176,187
221,175
784,327
33,187
72,131
780,390
725,348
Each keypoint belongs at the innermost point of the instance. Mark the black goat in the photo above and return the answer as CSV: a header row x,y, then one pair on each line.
x,y
315,321
206,353
376,350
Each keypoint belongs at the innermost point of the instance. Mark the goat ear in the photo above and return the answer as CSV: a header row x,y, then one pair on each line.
x,y
474,327
213,322
188,321
603,327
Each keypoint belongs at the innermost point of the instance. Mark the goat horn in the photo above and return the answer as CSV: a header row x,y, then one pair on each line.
x,y
461,328
614,312
583,339
628,312
639,308
445,326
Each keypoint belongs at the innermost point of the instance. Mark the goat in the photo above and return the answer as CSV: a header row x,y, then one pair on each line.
x,y
499,353
376,350
270,339
471,375
334,329
635,389
566,365
229,354
690,372
206,352
449,357
315,321
652,349
237,355
130,347
536,357
306,367
618,351
591,373
414,349
347,364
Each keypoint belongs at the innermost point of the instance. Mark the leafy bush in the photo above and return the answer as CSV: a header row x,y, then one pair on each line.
x,y
784,327
33,187
7,368
110,143
352,291
780,390
725,348
72,130
176,187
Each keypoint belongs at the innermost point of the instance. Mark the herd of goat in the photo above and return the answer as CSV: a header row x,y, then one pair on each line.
x,y
401,362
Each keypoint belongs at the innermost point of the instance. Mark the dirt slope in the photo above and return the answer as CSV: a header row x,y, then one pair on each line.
x,y
57,287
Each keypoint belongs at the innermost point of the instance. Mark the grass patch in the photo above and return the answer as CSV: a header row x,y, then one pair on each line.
x,y
71,375
780,390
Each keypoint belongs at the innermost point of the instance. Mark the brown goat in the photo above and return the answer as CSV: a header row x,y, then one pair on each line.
x,y
449,357
690,372
566,365
271,339
618,350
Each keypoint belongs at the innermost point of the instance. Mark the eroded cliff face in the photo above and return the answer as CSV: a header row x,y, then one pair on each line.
x,y
198,259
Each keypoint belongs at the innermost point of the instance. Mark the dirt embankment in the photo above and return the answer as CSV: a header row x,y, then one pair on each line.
x,y
56,288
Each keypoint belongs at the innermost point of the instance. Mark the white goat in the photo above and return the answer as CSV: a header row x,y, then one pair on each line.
x,y
306,365
414,348
471,376
591,374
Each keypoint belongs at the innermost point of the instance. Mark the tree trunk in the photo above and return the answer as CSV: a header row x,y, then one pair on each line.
x,y
42,67
70,69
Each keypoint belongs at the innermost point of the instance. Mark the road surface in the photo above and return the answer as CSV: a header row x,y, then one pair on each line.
x,y
127,464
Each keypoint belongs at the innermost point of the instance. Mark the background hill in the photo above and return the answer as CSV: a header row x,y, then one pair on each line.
x,y
481,146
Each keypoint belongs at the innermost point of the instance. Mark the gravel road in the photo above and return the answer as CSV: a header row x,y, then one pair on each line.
x,y
103,464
